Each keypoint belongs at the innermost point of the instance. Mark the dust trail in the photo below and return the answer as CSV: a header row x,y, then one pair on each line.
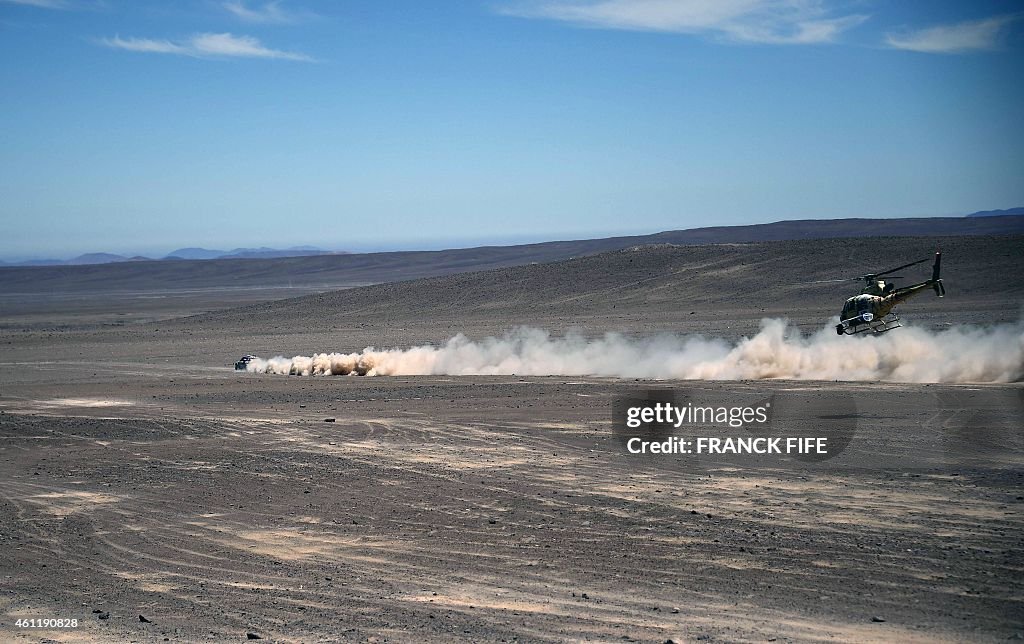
x,y
778,350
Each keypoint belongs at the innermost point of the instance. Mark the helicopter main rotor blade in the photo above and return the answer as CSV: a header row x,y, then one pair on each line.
x,y
841,279
871,276
899,268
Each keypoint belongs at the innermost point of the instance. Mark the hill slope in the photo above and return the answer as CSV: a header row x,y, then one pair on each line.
x,y
659,286
336,271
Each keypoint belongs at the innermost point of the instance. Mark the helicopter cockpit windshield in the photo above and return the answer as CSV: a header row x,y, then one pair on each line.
x,y
856,306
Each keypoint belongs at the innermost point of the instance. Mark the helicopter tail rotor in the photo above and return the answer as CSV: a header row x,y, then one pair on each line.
x,y
937,286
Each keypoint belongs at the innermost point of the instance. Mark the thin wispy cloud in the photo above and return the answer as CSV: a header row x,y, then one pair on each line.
x,y
746,21
266,13
974,35
205,45
42,4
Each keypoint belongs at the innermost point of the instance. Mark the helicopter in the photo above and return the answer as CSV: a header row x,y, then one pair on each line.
x,y
872,310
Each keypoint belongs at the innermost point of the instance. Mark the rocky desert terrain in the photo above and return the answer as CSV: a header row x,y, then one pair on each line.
x,y
153,493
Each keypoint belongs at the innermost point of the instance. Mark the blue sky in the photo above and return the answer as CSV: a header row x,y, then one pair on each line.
x,y
137,126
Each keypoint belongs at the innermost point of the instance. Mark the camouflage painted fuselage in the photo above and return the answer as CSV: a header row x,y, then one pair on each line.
x,y
860,310
868,311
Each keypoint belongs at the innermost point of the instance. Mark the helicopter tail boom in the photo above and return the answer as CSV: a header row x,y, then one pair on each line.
x,y
906,292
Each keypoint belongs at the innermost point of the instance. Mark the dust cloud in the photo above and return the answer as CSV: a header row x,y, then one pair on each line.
x,y
778,350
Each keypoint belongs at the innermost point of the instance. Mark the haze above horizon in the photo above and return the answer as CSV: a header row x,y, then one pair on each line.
x,y
140,127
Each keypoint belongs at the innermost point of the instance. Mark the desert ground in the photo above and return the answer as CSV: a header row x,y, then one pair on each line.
x,y
153,493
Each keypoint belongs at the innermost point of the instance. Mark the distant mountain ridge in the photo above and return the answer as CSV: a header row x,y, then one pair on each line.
x,y
180,254
356,269
998,213
195,253
97,258
248,253
999,222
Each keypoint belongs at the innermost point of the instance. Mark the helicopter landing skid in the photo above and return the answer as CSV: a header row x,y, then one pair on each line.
x,y
877,326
